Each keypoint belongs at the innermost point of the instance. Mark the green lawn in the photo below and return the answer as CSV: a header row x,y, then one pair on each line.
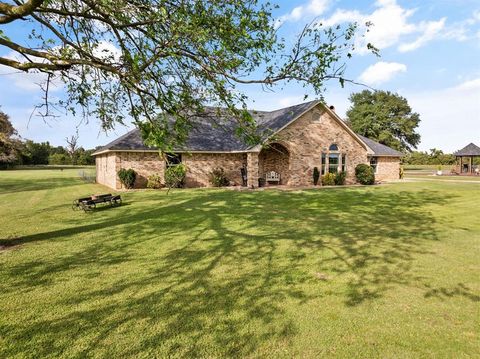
x,y
389,271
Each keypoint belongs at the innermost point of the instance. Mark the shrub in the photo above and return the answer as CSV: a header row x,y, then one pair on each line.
x,y
218,177
154,181
316,175
175,176
340,178
328,179
127,177
364,174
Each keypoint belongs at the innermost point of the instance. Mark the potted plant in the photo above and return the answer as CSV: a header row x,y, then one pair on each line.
x,y
439,170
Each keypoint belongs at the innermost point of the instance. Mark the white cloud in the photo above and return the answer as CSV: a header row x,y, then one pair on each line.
x,y
430,30
381,72
463,30
312,8
391,24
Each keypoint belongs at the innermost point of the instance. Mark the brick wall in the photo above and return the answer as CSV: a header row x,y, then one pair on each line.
x,y
311,134
304,140
144,163
105,170
199,166
388,169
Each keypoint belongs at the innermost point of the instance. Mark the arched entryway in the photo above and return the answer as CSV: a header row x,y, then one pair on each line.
x,y
275,157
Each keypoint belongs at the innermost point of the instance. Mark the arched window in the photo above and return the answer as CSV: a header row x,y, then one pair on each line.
x,y
333,161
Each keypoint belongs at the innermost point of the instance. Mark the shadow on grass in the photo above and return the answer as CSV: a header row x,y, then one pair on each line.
x,y
211,274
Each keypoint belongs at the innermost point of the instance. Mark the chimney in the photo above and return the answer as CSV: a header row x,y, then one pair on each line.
x,y
332,108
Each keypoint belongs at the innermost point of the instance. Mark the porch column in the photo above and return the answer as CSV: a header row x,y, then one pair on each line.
x,y
252,169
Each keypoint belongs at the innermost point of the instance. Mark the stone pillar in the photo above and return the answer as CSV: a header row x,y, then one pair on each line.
x,y
252,169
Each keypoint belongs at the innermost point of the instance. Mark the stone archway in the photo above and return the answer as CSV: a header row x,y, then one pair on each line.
x,y
275,157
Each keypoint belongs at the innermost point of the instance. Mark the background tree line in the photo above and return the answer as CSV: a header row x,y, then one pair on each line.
x,y
15,151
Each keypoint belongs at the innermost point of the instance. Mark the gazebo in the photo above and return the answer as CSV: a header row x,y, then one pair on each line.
x,y
465,158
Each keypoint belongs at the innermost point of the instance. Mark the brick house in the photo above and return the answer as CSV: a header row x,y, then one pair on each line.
x,y
301,137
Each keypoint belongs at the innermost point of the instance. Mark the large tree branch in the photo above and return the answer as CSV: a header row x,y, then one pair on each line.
x,y
11,12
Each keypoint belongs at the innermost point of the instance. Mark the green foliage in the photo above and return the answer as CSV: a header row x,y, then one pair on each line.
x,y
384,117
59,159
127,177
155,181
173,58
434,157
328,179
218,177
364,174
340,178
175,176
35,153
316,175
10,146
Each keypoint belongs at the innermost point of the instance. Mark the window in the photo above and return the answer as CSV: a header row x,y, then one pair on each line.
x,y
344,163
333,159
333,147
173,159
373,163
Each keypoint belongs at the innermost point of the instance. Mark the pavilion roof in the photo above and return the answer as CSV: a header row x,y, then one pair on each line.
x,y
469,150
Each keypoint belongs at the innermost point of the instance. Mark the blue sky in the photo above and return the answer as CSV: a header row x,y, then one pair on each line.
x,y
430,54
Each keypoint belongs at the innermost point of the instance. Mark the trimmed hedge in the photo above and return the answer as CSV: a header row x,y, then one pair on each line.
x,y
127,177
154,181
364,174
340,178
328,179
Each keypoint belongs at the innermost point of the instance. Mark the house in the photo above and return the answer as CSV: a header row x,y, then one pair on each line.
x,y
301,137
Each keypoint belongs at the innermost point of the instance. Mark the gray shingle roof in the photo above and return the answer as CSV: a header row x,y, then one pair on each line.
x,y
379,149
209,135
469,150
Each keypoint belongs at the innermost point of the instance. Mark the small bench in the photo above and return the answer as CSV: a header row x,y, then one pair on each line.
x,y
272,176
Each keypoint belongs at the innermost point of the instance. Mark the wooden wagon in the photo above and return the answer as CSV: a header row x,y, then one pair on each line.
x,y
90,203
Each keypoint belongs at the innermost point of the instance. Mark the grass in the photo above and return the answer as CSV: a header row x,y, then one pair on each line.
x,y
385,271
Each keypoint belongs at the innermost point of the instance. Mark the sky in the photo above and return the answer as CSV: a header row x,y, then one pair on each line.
x,y
429,54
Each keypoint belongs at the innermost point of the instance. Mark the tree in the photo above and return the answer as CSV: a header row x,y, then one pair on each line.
x,y
384,117
72,147
35,153
159,62
9,144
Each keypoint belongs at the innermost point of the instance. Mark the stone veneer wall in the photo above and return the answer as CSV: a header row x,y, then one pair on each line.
x,y
144,163
105,169
309,136
305,139
388,169
199,166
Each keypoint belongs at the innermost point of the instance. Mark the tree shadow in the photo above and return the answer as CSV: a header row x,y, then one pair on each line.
x,y
210,272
